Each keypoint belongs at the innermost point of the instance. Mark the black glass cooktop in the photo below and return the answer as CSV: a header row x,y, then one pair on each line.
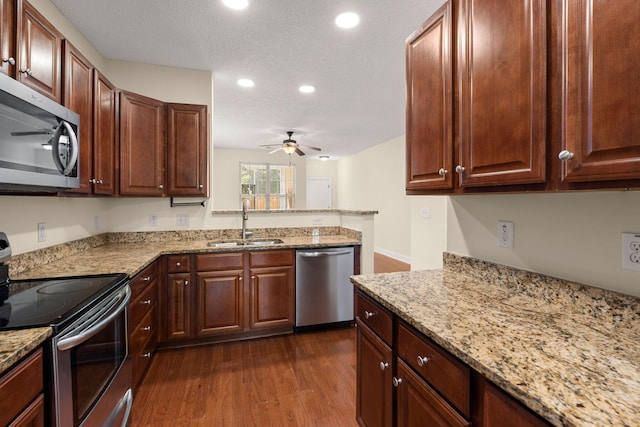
x,y
52,302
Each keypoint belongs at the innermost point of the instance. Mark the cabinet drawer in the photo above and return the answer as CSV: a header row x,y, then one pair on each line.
x,y
213,262
376,317
179,264
271,258
20,386
142,305
142,332
444,372
142,358
142,279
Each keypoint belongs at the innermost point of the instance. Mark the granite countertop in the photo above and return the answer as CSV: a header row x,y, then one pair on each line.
x,y
14,345
567,351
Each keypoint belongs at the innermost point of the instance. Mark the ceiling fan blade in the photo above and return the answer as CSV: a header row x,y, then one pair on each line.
x,y
270,145
299,152
277,149
310,147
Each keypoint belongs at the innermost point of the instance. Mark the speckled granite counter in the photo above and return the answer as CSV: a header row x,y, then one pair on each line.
x,y
14,345
567,351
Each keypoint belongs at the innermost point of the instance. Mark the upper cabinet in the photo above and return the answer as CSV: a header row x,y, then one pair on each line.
x,y
187,163
8,36
501,75
38,61
600,113
541,98
429,104
104,136
142,145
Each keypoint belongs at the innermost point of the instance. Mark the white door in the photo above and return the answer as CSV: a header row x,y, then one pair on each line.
x,y
318,193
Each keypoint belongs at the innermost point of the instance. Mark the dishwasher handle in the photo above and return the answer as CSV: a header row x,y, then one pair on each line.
x,y
323,254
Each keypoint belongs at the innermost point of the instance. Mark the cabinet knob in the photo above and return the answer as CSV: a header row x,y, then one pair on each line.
x,y
442,172
93,181
368,314
459,169
201,186
100,181
146,328
160,187
397,381
383,366
10,60
146,354
186,283
145,302
565,155
146,279
423,360
178,264
26,71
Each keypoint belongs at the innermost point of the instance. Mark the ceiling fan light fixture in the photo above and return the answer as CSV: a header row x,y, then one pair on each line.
x,y
289,149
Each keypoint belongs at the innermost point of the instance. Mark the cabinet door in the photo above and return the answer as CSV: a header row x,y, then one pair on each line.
x,y
142,138
39,59
220,303
178,306
187,150
373,395
78,97
501,78
272,297
104,140
601,106
7,36
420,405
429,104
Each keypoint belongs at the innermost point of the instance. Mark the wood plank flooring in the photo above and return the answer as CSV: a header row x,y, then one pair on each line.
x,y
385,264
303,379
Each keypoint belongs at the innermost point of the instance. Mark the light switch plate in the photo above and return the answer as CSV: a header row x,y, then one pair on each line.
x,y
505,234
631,251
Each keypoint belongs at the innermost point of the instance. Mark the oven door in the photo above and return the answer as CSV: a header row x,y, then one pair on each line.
x,y
92,376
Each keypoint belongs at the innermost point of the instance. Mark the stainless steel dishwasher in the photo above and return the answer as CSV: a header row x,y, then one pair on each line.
x,y
324,294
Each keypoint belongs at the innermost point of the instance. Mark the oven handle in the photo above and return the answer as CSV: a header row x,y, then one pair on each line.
x,y
67,343
126,402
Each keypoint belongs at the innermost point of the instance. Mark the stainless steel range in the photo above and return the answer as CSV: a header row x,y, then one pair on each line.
x,y
87,372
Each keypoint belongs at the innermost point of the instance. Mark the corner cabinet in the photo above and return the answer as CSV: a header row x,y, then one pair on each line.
x,y
187,148
142,145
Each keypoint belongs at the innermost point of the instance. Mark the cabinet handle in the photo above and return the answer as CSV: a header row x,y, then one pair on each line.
x,y
178,264
423,360
146,328
186,283
459,169
93,181
397,381
27,71
383,366
442,172
10,60
146,354
368,314
160,187
565,155
146,279
145,302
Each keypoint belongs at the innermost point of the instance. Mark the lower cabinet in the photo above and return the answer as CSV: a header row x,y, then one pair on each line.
x,y
405,379
21,393
228,295
143,320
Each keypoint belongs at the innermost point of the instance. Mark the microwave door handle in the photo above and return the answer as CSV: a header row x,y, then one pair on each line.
x,y
73,148
67,343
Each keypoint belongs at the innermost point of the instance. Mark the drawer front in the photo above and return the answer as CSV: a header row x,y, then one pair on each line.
x,y
444,372
142,305
271,258
141,359
179,264
376,317
141,280
142,332
214,262
20,386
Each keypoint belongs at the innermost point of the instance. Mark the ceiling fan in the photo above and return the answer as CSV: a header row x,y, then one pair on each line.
x,y
290,146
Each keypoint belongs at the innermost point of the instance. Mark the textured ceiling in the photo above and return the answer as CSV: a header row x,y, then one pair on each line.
x,y
280,44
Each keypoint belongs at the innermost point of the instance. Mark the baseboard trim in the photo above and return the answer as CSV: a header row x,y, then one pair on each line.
x,y
394,255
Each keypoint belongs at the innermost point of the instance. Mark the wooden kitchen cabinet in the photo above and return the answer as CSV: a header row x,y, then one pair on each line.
x,y
21,393
429,127
8,36
39,53
104,136
272,289
143,320
176,309
187,148
142,145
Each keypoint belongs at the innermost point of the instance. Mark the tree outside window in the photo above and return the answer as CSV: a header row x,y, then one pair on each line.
x,y
267,186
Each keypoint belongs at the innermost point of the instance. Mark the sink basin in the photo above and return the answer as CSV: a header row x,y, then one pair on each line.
x,y
247,242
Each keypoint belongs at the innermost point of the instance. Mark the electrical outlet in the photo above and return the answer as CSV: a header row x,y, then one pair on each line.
x,y
153,220
505,234
426,213
318,221
631,251
182,220
42,236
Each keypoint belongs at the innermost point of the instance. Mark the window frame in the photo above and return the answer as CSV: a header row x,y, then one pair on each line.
x,y
286,199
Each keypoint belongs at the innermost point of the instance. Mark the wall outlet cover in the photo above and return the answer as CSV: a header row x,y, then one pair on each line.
x,y
631,251
505,234
42,235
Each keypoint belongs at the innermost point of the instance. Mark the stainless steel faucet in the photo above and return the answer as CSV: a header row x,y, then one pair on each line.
x,y
245,217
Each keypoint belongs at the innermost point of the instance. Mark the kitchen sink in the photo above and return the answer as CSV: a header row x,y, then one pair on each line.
x,y
246,242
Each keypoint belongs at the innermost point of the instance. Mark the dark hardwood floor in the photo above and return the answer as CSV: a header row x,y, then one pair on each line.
x,y
303,379
385,264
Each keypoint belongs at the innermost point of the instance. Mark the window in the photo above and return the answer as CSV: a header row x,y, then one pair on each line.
x,y
267,186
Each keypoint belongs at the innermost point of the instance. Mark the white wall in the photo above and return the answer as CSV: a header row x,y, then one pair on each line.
x,y
574,236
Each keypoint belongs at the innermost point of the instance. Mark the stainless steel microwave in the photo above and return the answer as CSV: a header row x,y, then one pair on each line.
x,y
39,148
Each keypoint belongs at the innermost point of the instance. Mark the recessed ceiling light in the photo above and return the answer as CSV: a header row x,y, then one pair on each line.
x,y
236,4
324,158
246,83
307,89
347,20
